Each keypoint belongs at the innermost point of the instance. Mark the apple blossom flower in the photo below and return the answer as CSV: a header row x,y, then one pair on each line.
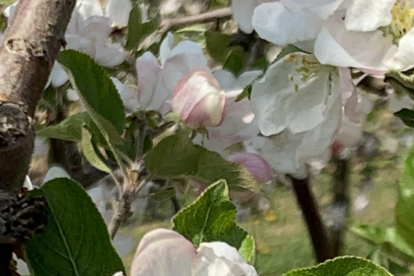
x,y
298,106
199,100
243,13
293,95
376,36
156,83
164,252
288,22
239,123
255,164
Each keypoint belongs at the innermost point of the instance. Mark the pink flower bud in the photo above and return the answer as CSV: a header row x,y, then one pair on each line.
x,y
199,100
255,164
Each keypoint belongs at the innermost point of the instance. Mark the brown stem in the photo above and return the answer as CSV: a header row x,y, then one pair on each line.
x,y
168,24
340,204
314,223
27,53
122,209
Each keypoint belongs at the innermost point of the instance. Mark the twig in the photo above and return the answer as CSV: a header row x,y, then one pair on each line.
x,y
168,24
315,225
340,205
142,129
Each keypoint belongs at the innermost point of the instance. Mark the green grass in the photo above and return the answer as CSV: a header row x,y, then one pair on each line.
x,y
283,243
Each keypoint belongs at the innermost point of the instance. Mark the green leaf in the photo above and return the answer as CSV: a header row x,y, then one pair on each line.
x,y
177,157
134,27
342,266
75,242
407,116
217,45
96,89
405,203
70,129
211,218
138,30
100,96
403,82
287,50
391,243
91,152
235,61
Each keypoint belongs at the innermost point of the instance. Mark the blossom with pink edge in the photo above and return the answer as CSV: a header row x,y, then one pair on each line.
x,y
239,123
255,164
199,100
156,82
164,252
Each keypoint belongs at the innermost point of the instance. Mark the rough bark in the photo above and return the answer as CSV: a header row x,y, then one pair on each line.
x,y
27,53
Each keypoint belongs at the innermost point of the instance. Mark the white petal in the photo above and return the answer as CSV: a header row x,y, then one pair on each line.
x,y
280,152
280,103
247,78
187,47
109,55
218,258
177,66
368,15
72,95
28,183
349,134
275,23
129,97
339,47
58,76
88,8
163,252
239,125
225,78
166,47
9,11
118,11
124,244
242,14
41,148
55,172
148,74
96,28
404,58
321,8
347,85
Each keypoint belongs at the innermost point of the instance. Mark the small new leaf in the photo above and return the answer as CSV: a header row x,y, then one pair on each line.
x,y
71,129
91,152
403,82
75,242
212,218
177,157
407,116
405,203
342,266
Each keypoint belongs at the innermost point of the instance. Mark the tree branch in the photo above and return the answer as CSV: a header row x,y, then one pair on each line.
x,y
168,24
314,223
340,204
27,53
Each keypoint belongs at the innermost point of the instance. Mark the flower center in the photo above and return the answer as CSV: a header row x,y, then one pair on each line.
x,y
402,20
308,66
